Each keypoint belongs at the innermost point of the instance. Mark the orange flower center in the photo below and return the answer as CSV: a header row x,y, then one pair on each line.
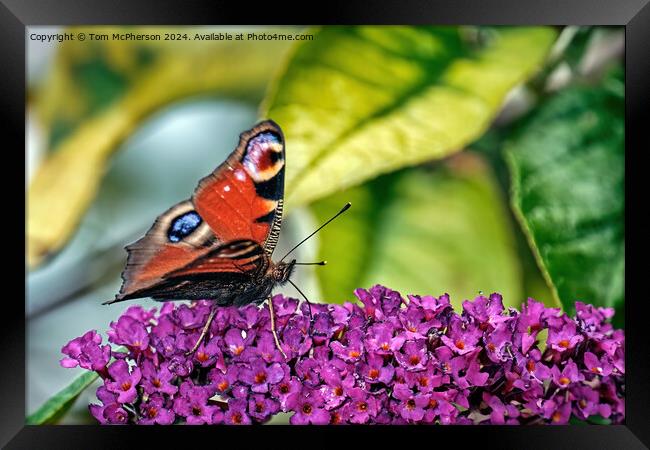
x,y
410,404
126,386
374,373
284,388
433,402
156,382
556,417
415,359
260,378
491,347
338,391
236,418
306,408
424,381
259,407
362,406
202,357
564,381
152,412
530,365
237,351
385,346
223,385
336,418
564,343
354,354
460,344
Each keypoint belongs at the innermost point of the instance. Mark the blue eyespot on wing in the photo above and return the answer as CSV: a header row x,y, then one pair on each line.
x,y
183,225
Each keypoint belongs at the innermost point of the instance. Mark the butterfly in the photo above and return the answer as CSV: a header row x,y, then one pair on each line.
x,y
217,245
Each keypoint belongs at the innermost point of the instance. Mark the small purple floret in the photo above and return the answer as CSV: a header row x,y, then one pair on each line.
x,y
86,352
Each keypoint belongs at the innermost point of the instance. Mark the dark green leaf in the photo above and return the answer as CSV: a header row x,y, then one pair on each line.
x,y
567,168
592,420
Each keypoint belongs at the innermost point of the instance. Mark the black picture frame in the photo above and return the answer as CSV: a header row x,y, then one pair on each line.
x,y
634,15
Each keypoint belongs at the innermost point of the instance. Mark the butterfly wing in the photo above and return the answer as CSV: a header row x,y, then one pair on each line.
x,y
240,201
224,273
236,257
243,198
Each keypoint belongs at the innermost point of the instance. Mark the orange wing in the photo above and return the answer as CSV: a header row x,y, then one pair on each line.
x,y
242,198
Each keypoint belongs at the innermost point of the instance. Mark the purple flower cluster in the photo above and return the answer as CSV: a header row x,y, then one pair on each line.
x,y
389,360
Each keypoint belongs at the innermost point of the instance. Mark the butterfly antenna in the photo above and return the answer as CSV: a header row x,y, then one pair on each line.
x,y
320,263
305,297
345,208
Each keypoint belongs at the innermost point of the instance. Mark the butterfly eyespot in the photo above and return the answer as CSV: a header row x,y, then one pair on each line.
x,y
263,158
183,225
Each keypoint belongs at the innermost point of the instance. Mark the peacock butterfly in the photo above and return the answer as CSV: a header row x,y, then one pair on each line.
x,y
217,245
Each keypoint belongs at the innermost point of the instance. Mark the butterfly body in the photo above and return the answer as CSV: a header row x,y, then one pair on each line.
x,y
217,245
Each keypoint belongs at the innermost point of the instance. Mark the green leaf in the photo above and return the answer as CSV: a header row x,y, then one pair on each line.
x,y
356,102
423,232
58,404
490,146
567,168
591,420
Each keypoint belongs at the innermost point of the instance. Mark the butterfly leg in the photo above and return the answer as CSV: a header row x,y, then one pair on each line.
x,y
311,317
273,329
206,327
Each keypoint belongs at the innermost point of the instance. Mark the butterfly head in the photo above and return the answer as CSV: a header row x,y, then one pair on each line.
x,y
282,271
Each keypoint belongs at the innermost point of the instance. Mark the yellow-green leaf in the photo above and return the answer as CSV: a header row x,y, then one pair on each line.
x,y
423,232
68,179
356,102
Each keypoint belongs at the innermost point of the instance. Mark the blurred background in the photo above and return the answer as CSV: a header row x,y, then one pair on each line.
x,y
477,160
